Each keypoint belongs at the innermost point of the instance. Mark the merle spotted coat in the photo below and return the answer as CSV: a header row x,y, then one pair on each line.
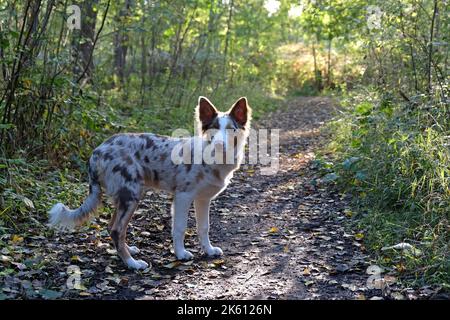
x,y
127,164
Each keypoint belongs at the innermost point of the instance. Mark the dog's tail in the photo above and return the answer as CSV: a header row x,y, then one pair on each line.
x,y
62,217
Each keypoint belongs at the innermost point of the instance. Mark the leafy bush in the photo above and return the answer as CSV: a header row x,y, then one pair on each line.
x,y
395,159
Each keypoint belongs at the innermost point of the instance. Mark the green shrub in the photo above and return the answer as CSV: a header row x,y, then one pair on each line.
x,y
395,159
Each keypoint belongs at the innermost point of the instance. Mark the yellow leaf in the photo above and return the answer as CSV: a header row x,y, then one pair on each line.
x,y
27,83
359,236
173,264
273,230
95,226
386,259
17,239
400,267
217,263
306,272
79,286
76,259
361,297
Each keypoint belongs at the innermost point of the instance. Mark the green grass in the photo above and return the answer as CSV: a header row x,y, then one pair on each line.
x,y
394,159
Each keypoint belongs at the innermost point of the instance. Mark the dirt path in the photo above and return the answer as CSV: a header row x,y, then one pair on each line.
x,y
283,238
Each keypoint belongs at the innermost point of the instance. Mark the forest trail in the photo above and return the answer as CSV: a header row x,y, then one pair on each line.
x,y
283,237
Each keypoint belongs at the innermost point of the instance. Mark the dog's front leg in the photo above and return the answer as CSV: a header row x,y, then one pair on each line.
x,y
180,210
202,216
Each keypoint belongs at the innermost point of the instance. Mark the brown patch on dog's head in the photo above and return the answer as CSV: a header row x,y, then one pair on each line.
x,y
241,112
206,113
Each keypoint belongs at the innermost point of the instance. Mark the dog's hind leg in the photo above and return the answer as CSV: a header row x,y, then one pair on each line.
x,y
113,219
126,205
202,217
133,249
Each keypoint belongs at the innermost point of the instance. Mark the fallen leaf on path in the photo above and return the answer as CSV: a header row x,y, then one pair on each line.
x,y
306,272
397,296
218,262
50,294
19,265
374,269
79,286
361,297
4,258
109,270
351,287
111,251
274,230
342,268
76,259
173,264
123,282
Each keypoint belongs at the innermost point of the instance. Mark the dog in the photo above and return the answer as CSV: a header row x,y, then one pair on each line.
x,y
128,164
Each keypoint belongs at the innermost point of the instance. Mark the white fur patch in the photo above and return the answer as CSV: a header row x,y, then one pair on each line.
x,y
136,264
133,250
61,217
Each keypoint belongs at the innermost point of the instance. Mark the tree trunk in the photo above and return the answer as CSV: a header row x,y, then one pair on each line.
x,y
121,42
227,39
86,46
329,63
317,74
211,20
430,44
143,53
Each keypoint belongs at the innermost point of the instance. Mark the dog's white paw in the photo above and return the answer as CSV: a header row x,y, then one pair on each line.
x,y
213,251
133,250
184,255
137,264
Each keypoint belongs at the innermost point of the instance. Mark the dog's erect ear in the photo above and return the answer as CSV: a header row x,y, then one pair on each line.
x,y
241,111
206,112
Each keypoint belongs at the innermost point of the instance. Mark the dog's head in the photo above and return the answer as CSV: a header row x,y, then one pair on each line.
x,y
225,129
